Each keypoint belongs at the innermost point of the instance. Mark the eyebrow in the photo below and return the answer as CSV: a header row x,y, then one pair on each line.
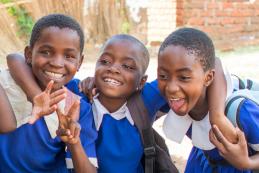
x,y
51,47
185,69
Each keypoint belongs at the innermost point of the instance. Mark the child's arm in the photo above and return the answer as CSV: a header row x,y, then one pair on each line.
x,y
7,118
235,154
69,132
217,92
23,75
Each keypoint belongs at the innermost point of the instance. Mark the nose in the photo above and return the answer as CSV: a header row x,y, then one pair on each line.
x,y
115,68
172,87
57,61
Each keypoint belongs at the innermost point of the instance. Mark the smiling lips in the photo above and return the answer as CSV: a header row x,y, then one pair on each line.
x,y
53,75
176,104
112,82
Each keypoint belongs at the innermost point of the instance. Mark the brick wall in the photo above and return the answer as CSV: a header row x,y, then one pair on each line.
x,y
230,23
161,20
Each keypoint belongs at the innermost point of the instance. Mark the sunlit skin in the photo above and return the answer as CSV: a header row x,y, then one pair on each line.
x,y
118,73
183,82
55,56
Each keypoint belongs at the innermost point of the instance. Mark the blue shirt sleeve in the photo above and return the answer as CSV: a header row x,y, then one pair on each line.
x,y
153,99
248,121
73,86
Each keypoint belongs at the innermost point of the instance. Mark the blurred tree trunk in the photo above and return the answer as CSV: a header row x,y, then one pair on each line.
x,y
105,18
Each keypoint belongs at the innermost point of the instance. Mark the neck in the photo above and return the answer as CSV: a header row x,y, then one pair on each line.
x,y
111,104
201,109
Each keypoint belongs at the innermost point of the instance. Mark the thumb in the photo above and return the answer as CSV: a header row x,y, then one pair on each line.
x,y
74,110
241,136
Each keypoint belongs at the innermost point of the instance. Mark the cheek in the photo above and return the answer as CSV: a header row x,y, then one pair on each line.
x,y
161,86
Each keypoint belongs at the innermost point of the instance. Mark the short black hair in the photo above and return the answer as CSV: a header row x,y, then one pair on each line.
x,y
56,20
135,41
196,42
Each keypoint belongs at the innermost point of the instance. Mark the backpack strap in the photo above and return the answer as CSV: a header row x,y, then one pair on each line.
x,y
235,101
141,119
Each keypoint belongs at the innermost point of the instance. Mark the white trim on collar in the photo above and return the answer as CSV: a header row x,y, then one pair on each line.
x,y
99,110
175,127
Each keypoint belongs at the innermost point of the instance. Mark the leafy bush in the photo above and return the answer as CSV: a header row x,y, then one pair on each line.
x,y
23,20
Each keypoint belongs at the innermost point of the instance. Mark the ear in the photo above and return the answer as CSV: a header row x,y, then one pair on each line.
x,y
209,76
142,82
80,61
28,55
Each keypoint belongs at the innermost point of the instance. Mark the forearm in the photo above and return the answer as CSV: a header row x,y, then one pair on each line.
x,y
217,92
80,160
7,118
23,75
254,162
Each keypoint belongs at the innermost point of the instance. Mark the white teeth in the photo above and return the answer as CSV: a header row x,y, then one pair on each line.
x,y
175,99
112,81
54,75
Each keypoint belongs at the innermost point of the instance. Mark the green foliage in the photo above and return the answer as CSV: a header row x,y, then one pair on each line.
x,y
23,20
125,28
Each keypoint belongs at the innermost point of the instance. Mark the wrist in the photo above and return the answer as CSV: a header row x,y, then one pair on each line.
x,y
74,146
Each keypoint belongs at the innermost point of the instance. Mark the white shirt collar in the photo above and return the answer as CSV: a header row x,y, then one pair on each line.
x,y
99,110
175,127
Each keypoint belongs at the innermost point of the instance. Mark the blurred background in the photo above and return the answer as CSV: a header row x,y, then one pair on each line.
x,y
233,26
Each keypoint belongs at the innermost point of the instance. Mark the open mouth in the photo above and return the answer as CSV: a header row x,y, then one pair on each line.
x,y
54,75
176,103
112,82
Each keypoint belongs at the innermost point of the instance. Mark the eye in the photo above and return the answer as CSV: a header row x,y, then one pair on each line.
x,y
69,56
128,67
45,52
185,78
162,77
104,61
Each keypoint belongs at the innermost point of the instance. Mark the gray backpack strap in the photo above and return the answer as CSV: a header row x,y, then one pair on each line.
x,y
140,117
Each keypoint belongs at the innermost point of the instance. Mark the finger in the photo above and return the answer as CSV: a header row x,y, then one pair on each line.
x,y
49,87
51,110
60,118
74,110
58,92
77,132
72,127
215,141
220,137
57,99
241,137
95,91
63,132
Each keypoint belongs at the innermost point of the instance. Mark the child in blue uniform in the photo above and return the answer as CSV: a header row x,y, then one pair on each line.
x,y
120,71
54,53
185,70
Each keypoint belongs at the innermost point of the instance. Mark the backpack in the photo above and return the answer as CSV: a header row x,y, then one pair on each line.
x,y
156,155
243,89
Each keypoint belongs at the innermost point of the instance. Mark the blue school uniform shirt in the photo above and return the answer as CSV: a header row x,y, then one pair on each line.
x,y
31,148
119,147
248,122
